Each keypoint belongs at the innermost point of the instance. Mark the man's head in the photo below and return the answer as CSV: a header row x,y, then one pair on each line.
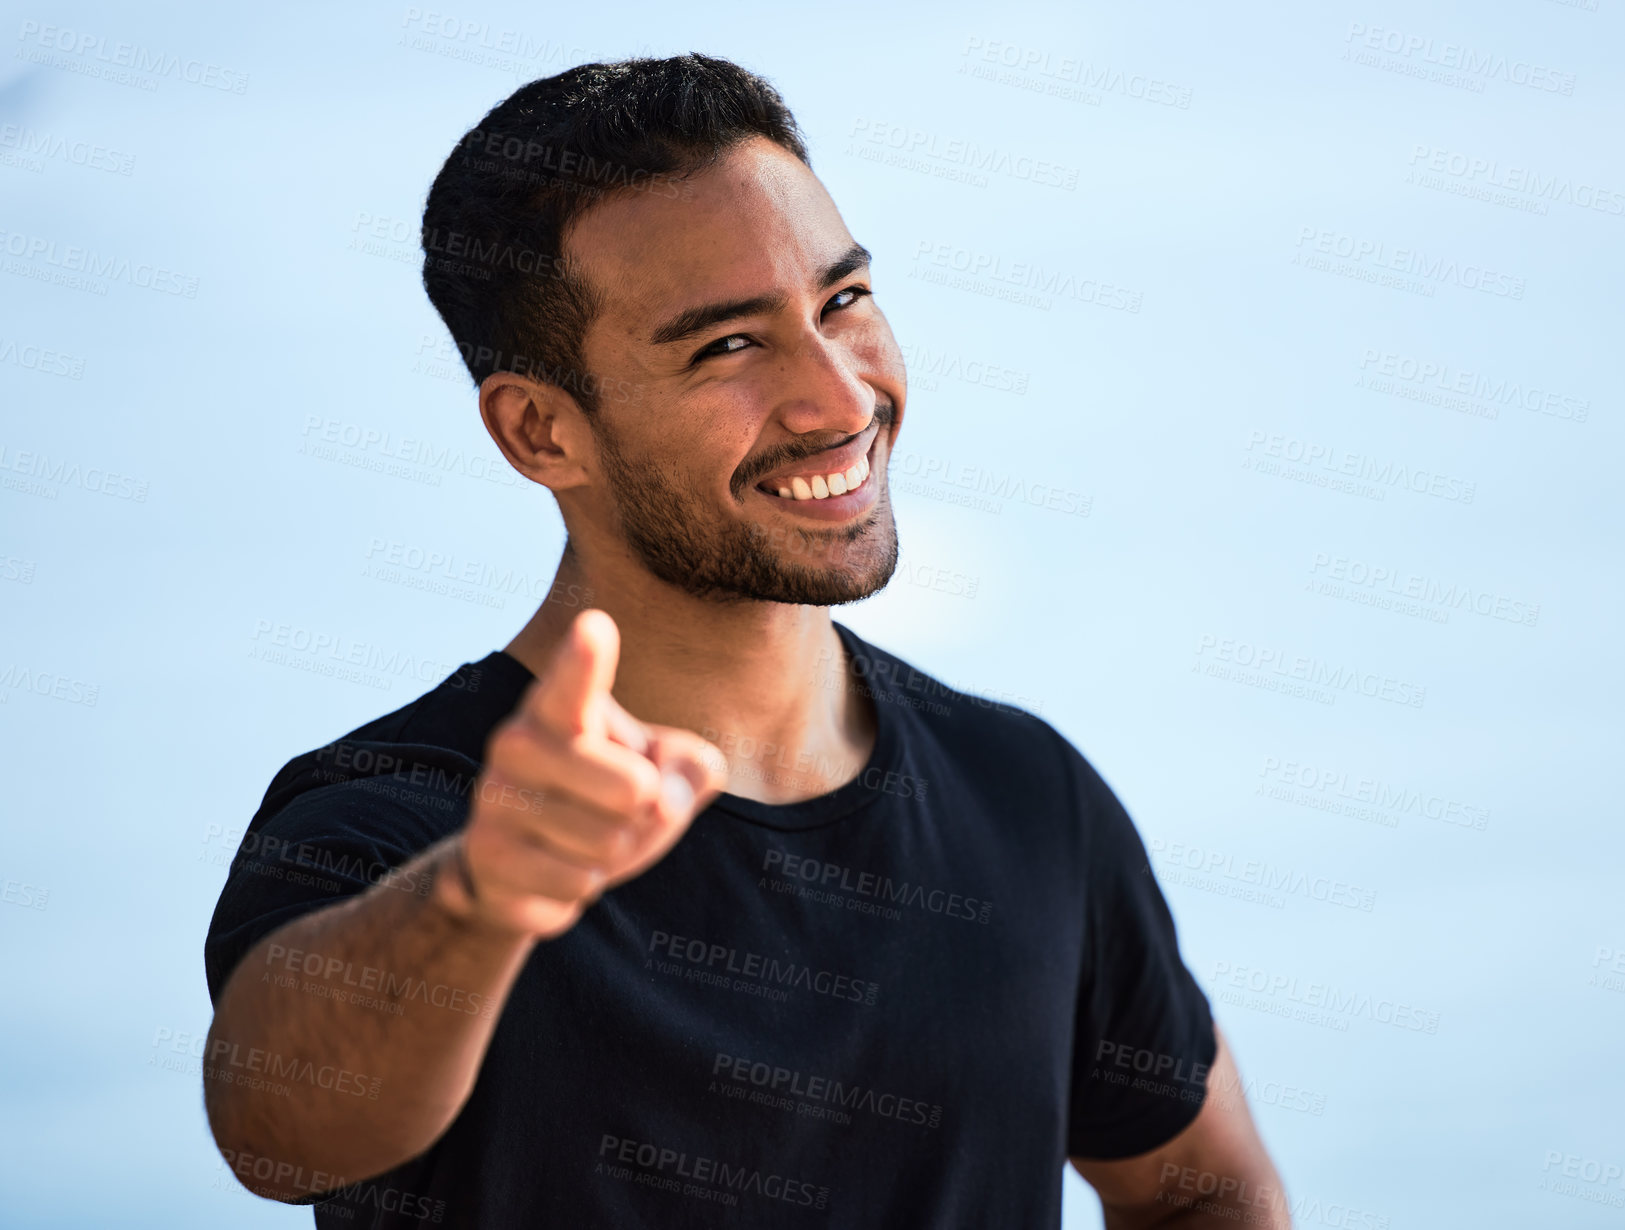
x,y
663,308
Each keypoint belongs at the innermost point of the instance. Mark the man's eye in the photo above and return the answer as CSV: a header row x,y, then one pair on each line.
x,y
720,346
856,293
850,295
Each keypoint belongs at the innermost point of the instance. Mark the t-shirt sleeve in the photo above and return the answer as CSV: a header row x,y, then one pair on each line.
x,y
1143,1041
324,846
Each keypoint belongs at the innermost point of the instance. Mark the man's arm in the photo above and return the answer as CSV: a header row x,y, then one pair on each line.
x,y
1214,1173
306,1091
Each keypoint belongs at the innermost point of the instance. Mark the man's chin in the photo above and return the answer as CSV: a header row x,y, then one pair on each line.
x,y
821,565
830,572
798,584
834,587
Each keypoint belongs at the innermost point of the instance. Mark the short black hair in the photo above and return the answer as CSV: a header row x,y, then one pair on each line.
x,y
494,221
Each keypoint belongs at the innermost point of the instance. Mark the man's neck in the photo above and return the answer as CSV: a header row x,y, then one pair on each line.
x,y
767,682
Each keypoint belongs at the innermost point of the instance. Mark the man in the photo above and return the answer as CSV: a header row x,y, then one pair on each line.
x,y
690,907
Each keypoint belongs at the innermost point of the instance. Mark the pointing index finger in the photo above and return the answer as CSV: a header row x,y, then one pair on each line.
x,y
571,697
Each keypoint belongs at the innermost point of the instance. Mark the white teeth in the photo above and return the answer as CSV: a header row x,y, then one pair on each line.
x,y
822,486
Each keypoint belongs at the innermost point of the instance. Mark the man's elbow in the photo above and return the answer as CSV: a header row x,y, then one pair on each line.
x,y
258,1171
254,1165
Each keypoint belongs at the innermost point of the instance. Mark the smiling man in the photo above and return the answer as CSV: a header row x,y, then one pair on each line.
x,y
690,907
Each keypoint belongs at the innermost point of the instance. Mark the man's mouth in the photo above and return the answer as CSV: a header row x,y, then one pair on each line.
x,y
819,486
808,485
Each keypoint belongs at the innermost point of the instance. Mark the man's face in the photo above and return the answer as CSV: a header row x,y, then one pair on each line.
x,y
741,317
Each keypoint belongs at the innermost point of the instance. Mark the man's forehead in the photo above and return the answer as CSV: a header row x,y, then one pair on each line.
x,y
752,224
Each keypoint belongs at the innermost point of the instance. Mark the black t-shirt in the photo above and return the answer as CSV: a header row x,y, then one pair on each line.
x,y
903,1003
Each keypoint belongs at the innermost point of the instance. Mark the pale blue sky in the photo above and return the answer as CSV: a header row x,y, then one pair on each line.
x,y
1294,209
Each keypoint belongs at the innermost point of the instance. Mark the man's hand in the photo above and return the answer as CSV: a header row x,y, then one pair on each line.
x,y
576,795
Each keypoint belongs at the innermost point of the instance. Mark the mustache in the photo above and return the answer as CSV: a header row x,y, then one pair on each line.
x,y
885,413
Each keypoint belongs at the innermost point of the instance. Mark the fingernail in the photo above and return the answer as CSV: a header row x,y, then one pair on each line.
x,y
674,788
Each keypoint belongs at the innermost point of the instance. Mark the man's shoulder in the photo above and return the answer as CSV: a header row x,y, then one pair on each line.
x,y
415,755
1005,727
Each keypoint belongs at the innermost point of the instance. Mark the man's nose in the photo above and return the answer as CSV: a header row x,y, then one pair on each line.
x,y
823,389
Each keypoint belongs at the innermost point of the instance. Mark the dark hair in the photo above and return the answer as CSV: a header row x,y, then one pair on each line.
x,y
496,213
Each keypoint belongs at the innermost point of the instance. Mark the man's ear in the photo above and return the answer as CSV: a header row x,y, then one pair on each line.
x,y
538,427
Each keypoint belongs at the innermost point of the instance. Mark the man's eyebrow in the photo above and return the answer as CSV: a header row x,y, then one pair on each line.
x,y
694,320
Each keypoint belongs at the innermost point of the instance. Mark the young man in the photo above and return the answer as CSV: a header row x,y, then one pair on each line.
x,y
690,907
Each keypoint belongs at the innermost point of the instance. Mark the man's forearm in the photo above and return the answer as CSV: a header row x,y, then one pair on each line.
x,y
1210,1215
1257,1200
346,1042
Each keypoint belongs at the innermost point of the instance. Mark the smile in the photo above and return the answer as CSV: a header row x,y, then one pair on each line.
x,y
821,486
834,495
